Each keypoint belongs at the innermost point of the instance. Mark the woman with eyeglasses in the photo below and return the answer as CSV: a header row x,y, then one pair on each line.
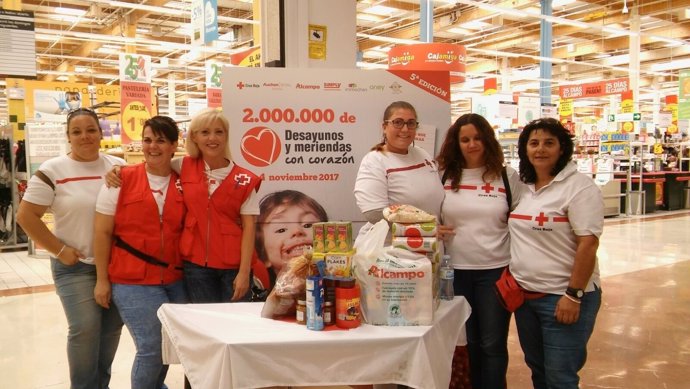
x,y
396,171
69,185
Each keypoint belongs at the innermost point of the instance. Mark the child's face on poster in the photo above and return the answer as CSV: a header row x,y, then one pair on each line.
x,y
287,232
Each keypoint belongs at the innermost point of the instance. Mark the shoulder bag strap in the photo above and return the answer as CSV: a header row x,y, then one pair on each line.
x,y
506,185
45,179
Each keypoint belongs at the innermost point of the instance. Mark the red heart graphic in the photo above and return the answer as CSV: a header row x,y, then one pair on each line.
x,y
260,146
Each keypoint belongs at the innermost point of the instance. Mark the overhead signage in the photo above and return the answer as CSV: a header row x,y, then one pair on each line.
x,y
135,94
684,94
19,43
625,117
430,56
204,21
594,89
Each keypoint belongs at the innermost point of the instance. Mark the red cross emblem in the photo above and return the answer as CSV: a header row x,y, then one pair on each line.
x,y
240,85
541,219
487,188
242,179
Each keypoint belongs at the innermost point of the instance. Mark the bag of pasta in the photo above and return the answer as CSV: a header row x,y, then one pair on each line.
x,y
290,286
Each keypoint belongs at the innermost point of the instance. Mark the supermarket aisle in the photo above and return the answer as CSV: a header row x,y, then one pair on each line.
x,y
642,338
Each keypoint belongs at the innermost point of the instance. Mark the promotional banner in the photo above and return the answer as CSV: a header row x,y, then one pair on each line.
x,y
250,58
214,92
627,107
135,94
684,94
204,21
529,108
672,107
594,89
430,56
307,130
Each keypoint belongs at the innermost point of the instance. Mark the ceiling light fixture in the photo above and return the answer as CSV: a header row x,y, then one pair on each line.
x,y
625,6
70,11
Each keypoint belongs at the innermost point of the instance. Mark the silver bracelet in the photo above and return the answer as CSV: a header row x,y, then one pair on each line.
x,y
61,250
573,299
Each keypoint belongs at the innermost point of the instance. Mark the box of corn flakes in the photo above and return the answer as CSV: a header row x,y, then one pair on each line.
x,y
339,264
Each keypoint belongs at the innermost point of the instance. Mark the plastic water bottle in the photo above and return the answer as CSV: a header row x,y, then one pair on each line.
x,y
446,279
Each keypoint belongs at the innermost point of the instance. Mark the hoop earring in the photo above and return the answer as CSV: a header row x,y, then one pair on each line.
x,y
383,141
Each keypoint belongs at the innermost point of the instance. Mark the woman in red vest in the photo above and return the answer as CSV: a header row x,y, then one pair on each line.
x,y
217,244
137,232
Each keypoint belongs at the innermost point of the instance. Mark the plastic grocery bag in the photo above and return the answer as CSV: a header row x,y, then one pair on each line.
x,y
396,284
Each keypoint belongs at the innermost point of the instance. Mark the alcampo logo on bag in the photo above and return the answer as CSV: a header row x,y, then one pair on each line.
x,y
374,271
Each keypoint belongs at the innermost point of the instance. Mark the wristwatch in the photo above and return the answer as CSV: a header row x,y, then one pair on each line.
x,y
574,292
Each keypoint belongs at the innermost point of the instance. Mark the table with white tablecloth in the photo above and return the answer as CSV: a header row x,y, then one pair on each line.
x,y
231,346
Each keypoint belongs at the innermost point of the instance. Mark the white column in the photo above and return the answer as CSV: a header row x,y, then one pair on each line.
x,y
172,103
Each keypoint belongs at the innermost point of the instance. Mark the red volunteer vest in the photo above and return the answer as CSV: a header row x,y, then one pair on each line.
x,y
212,232
138,223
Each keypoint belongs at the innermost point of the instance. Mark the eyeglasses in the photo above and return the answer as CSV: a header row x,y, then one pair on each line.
x,y
399,123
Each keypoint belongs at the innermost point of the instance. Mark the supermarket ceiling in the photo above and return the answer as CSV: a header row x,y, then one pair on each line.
x,y
80,40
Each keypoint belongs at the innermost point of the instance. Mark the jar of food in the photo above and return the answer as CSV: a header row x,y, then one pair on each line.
x,y
301,314
347,308
328,313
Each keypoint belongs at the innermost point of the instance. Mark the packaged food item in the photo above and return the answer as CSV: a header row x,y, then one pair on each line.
x,y
319,236
318,260
343,236
414,229
315,295
328,313
301,314
417,244
329,240
289,287
347,303
396,287
339,264
406,214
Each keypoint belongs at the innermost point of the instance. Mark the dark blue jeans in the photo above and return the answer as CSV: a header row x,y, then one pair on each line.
x,y
555,352
487,327
208,285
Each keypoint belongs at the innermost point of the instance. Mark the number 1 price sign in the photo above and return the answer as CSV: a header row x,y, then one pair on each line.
x,y
135,95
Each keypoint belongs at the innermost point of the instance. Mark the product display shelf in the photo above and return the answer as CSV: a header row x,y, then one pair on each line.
x,y
10,237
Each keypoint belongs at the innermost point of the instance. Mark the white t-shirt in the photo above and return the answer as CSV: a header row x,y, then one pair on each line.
x,y
388,178
215,177
73,202
544,227
108,197
478,211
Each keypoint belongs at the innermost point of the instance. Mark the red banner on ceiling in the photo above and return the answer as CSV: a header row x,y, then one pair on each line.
x,y
430,56
594,89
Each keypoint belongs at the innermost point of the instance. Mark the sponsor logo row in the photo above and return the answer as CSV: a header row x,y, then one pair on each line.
x,y
332,86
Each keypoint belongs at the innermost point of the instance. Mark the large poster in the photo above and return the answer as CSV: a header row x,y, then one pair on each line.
x,y
308,129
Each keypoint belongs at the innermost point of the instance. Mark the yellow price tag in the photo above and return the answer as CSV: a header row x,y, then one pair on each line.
x,y
658,148
133,118
628,127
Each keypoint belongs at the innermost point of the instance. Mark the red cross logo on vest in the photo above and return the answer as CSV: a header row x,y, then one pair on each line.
x,y
487,188
242,179
541,219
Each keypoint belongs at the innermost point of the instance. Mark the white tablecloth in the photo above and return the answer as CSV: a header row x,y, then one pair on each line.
x,y
231,346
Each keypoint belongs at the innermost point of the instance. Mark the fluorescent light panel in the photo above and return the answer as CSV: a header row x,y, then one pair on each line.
x,y
70,11
381,10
